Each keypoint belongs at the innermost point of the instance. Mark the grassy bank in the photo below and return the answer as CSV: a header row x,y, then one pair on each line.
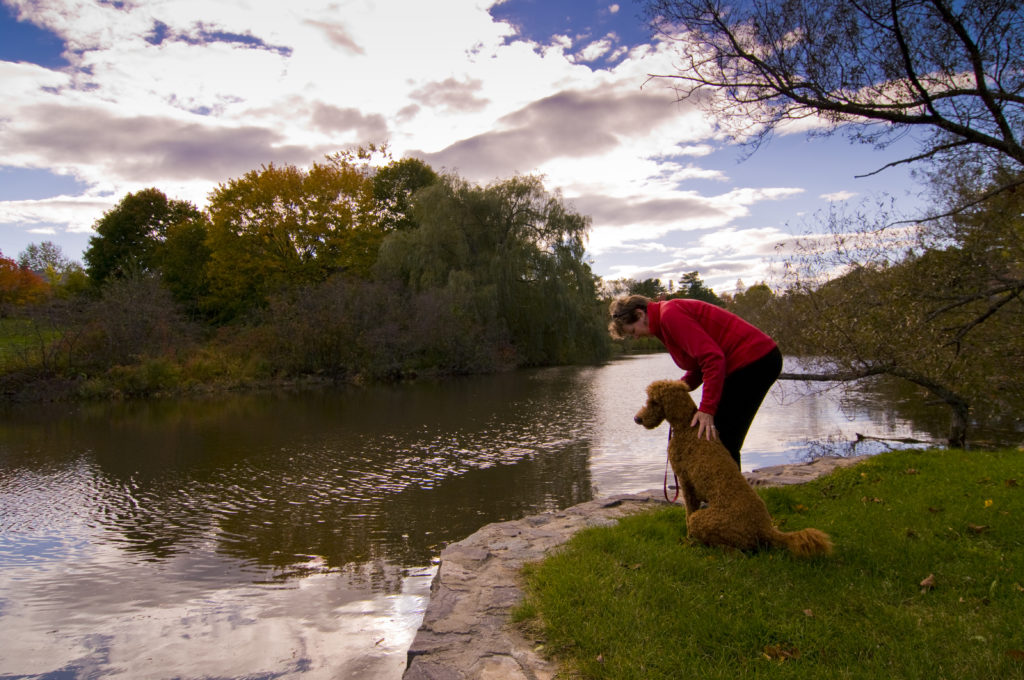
x,y
927,581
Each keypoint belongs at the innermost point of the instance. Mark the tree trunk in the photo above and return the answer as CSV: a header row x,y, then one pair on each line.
x,y
959,417
958,424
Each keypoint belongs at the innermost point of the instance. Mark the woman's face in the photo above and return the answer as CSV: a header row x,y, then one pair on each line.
x,y
638,328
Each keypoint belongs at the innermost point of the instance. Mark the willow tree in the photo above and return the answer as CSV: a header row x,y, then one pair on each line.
x,y
512,257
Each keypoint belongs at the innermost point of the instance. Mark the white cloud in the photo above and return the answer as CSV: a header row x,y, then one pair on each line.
x,y
596,49
839,196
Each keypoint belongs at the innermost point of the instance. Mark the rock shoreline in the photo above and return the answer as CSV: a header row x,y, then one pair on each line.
x,y
465,633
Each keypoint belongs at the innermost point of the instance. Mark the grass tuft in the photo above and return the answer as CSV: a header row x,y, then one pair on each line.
x,y
927,581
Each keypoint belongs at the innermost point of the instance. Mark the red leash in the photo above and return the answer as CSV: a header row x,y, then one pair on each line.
x,y
674,477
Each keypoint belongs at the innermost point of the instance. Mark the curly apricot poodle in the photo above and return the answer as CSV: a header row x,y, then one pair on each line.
x,y
721,507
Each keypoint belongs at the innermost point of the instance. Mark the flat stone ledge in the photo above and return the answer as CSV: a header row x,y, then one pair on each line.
x,y
465,633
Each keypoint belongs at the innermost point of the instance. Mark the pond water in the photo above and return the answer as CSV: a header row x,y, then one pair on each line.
x,y
295,535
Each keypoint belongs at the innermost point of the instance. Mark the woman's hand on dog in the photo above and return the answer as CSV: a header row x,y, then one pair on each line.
x,y
705,424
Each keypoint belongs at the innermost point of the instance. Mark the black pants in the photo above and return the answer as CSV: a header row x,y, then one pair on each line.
x,y
742,394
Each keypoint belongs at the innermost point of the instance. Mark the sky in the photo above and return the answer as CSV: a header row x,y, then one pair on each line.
x,y
106,97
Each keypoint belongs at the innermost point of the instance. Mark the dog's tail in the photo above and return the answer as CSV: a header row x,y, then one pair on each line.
x,y
803,543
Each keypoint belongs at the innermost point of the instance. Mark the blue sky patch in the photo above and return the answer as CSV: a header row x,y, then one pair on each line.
x,y
584,21
203,35
25,42
32,184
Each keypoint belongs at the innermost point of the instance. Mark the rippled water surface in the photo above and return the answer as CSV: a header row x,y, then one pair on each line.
x,y
272,536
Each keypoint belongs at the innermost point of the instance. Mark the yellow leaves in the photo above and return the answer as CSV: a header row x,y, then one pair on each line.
x,y
988,503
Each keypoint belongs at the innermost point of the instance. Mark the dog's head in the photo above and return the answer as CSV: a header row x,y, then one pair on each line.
x,y
666,400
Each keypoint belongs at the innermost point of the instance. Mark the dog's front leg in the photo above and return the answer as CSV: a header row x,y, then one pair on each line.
x,y
690,500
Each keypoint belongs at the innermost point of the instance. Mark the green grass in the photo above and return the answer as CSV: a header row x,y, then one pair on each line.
x,y
19,343
639,600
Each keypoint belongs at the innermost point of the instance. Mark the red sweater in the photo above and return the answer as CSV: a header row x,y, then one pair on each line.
x,y
707,342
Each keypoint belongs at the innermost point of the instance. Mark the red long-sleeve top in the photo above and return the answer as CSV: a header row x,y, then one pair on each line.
x,y
707,342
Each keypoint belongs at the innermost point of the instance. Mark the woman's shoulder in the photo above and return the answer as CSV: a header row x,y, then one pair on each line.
x,y
685,306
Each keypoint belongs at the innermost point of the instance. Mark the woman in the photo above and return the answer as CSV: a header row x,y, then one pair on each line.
x,y
736,362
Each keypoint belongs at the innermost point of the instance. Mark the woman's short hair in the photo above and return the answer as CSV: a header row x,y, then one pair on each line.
x,y
624,311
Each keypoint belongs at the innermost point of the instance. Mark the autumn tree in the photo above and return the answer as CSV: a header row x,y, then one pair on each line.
x,y
48,260
283,226
952,73
19,286
128,236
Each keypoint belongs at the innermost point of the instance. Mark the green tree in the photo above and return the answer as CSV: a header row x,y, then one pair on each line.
x,y
393,188
693,287
283,226
652,288
129,235
184,258
755,304
513,256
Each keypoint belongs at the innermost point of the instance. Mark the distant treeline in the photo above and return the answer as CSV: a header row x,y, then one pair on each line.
x,y
346,271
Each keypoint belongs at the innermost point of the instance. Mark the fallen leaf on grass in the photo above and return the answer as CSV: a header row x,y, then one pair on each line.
x,y
911,471
808,613
928,583
1015,654
1011,483
977,528
934,509
600,658
988,503
781,652
871,500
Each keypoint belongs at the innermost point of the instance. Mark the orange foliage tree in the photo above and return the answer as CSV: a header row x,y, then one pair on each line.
x,y
19,286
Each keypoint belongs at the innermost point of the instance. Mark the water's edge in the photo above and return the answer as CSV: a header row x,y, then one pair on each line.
x,y
465,632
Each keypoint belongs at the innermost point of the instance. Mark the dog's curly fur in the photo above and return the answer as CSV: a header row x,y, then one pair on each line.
x,y
721,507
